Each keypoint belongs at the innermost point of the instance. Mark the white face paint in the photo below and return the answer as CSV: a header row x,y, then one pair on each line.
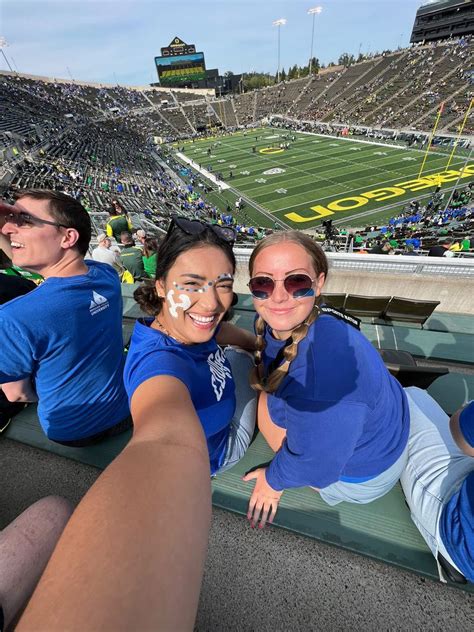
x,y
185,303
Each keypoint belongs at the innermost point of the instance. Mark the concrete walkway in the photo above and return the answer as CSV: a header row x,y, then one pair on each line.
x,y
270,580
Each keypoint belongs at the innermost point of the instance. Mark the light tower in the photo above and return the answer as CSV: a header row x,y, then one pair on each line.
x,y
279,23
314,12
4,44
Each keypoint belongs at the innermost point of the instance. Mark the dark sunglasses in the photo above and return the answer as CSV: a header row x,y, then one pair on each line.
x,y
297,285
196,227
26,219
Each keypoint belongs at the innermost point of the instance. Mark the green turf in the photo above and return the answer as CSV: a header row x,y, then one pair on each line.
x,y
316,170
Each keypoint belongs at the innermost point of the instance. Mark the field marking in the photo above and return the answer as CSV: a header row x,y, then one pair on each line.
x,y
344,186
353,140
332,156
377,168
380,186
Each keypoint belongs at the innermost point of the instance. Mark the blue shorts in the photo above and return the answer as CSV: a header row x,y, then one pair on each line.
x,y
243,423
366,492
435,470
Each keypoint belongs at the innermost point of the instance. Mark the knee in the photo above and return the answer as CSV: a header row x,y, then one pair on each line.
x,y
54,510
238,358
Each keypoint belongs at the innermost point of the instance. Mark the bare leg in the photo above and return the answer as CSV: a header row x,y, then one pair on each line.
x,y
25,548
274,435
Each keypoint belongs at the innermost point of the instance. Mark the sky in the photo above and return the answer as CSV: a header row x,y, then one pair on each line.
x,y
116,41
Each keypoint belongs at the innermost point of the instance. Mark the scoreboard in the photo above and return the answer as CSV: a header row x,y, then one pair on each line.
x,y
179,64
180,68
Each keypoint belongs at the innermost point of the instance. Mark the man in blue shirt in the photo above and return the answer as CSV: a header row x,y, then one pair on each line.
x,y
62,342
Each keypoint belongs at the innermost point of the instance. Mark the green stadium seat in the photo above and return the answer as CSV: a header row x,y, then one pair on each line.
x,y
407,310
366,307
335,300
402,365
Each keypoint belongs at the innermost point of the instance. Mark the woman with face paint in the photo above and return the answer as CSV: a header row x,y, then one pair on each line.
x,y
175,364
335,417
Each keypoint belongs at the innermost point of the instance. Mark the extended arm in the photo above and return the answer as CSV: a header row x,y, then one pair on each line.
x,y
132,555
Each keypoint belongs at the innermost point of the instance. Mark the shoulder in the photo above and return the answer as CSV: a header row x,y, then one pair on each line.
x,y
102,271
466,424
338,350
152,354
18,308
151,347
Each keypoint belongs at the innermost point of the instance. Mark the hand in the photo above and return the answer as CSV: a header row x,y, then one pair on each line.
x,y
264,499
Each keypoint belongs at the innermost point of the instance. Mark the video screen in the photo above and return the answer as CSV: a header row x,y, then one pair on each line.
x,y
180,68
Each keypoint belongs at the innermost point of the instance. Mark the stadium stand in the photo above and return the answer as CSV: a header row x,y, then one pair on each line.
x,y
64,134
225,112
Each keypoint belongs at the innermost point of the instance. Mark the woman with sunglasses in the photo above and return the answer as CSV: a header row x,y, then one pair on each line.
x,y
175,365
335,417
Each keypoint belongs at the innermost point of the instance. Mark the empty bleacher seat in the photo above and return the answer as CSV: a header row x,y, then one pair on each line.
x,y
408,310
366,307
403,366
335,300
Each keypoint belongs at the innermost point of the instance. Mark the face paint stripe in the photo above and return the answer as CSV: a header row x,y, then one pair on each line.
x,y
221,277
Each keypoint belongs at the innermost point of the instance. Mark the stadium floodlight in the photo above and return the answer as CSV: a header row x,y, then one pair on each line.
x,y
4,44
281,22
314,12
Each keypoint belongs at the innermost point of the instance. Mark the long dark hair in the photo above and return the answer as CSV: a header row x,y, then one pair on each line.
x,y
176,243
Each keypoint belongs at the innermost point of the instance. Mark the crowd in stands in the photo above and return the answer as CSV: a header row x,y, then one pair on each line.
x,y
419,230
93,142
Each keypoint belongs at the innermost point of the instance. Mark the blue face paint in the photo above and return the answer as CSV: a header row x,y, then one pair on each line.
x,y
304,293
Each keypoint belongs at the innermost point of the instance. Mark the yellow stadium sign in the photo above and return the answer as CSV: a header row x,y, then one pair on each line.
x,y
384,193
271,150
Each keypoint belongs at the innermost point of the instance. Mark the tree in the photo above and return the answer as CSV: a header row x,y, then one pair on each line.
x,y
282,75
293,72
315,66
346,60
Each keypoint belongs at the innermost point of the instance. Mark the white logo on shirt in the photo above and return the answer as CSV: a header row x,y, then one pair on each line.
x,y
98,303
219,372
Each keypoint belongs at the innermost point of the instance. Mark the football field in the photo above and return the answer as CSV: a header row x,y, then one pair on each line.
x,y
317,177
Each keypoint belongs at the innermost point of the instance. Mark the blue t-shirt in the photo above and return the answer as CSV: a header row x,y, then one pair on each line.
x,y
457,518
346,417
202,368
66,335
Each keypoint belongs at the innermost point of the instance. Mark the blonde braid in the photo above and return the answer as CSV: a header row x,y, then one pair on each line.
x,y
256,375
275,378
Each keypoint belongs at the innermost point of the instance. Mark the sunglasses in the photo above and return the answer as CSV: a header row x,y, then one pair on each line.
x,y
26,219
196,227
297,285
